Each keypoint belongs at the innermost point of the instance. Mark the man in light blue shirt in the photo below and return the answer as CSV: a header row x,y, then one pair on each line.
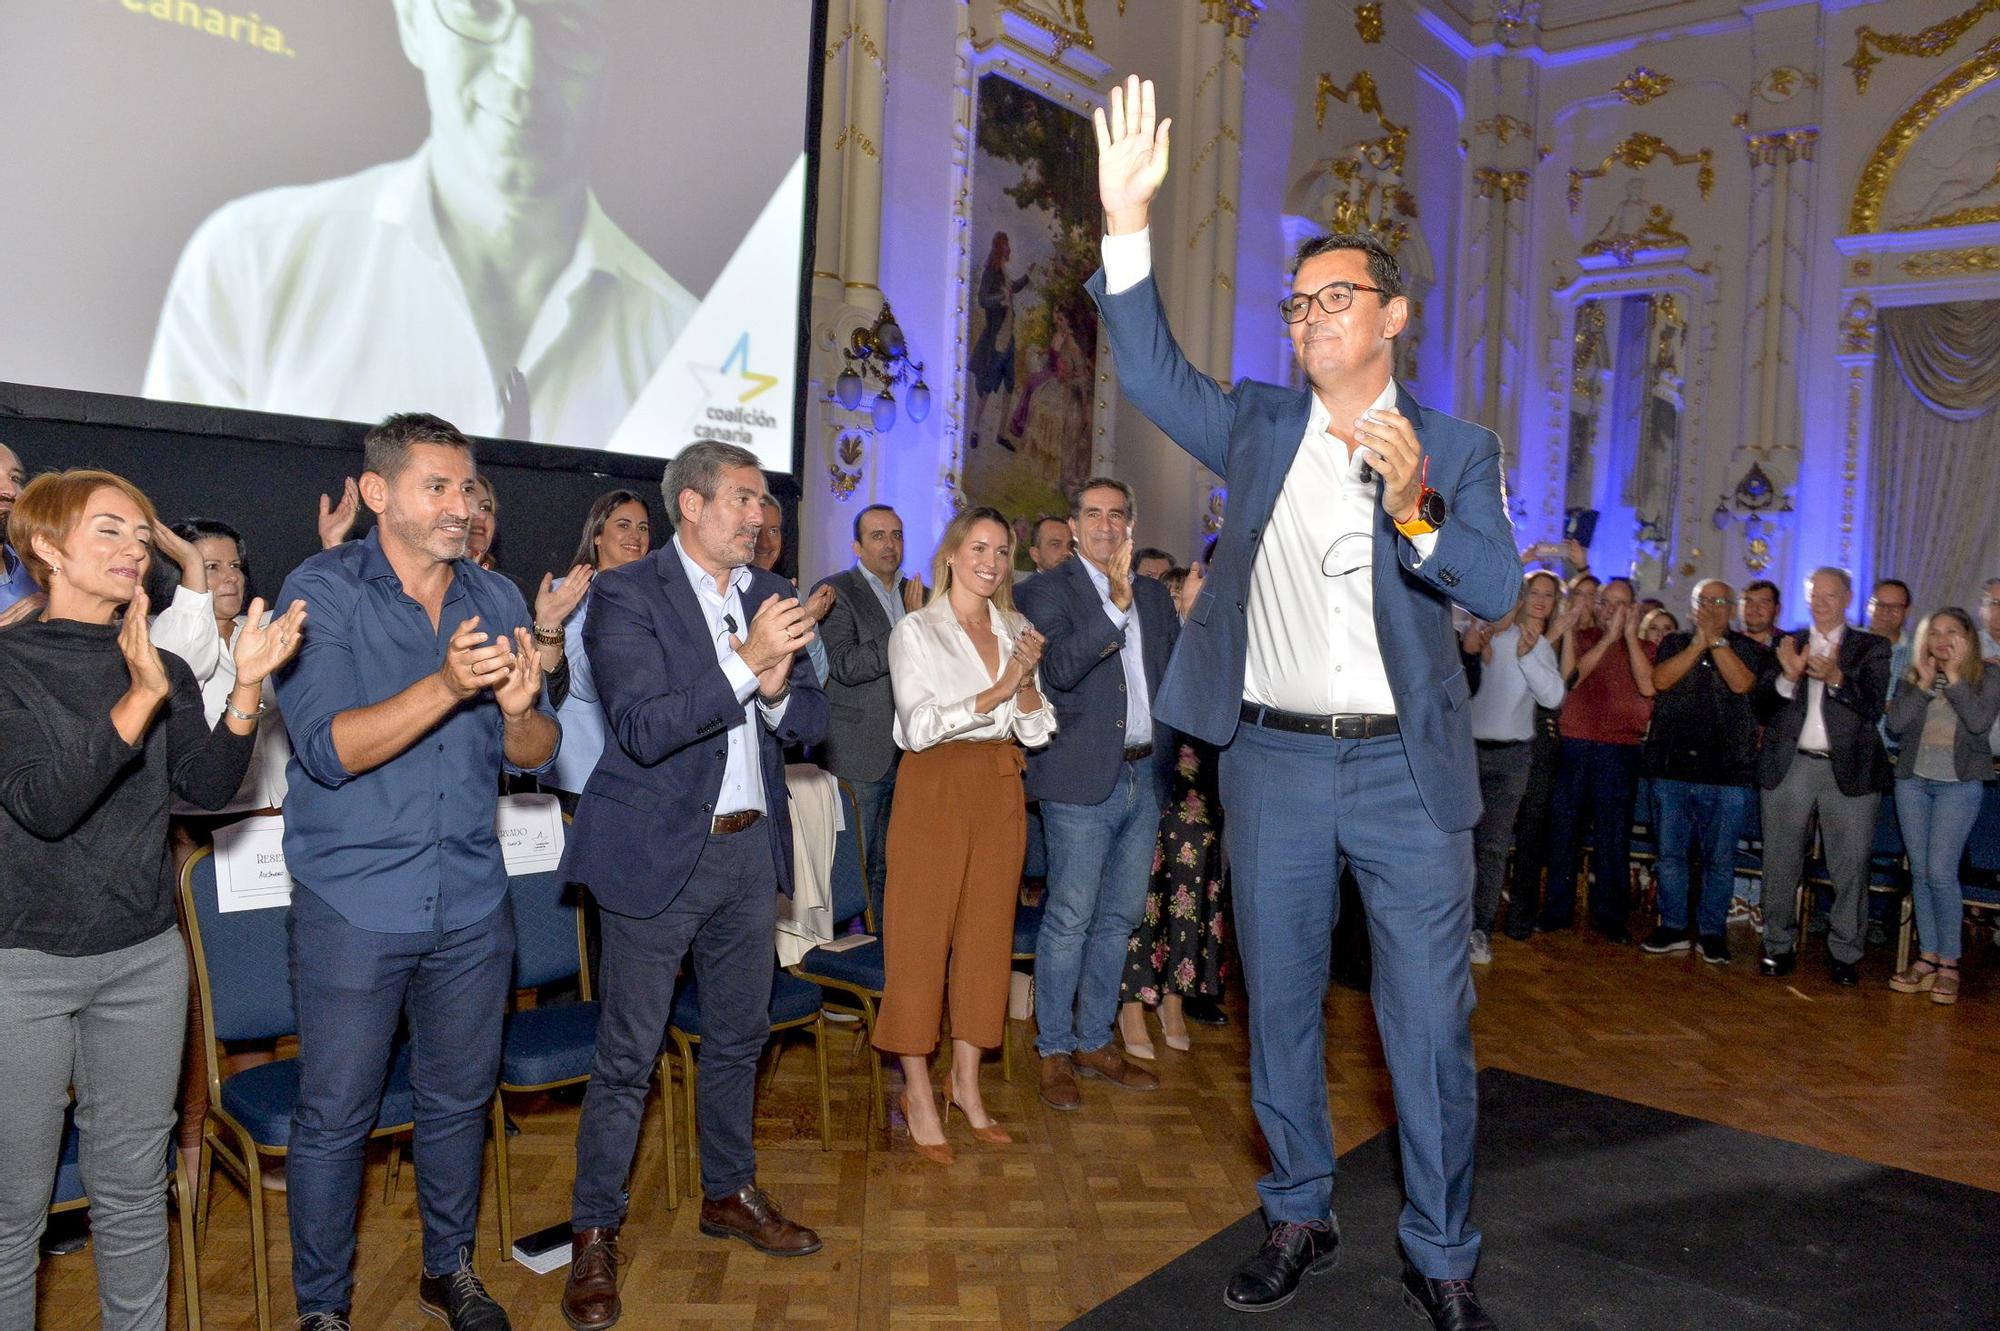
x,y
15,584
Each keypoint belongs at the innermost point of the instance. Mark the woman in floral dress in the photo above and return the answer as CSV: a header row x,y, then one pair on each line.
x,y
1177,951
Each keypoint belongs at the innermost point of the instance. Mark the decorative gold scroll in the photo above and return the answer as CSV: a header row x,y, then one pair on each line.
x,y
1637,152
1865,213
1938,38
1642,85
1368,21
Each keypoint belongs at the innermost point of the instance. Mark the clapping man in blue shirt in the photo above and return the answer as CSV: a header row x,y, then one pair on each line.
x,y
418,685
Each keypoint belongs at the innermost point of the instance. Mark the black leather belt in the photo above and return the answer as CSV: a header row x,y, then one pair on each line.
x,y
1346,725
1134,752
1500,743
725,824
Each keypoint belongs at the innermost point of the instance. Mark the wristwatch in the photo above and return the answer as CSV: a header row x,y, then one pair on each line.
x,y
1430,515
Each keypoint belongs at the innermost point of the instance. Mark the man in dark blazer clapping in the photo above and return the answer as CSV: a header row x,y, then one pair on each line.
x,y
1822,700
860,747
684,837
1101,784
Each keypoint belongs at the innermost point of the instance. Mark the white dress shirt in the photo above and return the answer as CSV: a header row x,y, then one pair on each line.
x,y
187,629
581,714
1138,705
1312,645
1511,685
743,772
339,300
936,675
886,595
1812,735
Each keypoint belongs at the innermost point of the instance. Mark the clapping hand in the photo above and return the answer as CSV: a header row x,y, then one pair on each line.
x,y
142,659
337,520
519,686
472,663
1525,640
914,594
779,628
1790,659
1927,671
1478,635
1028,648
1825,669
1119,575
554,605
261,648
820,602
1131,155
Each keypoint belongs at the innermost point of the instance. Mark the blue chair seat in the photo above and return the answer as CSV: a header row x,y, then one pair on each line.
x,y
1982,894
792,999
544,1045
261,1098
858,966
1027,928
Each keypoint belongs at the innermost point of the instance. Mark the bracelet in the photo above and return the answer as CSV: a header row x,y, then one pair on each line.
x,y
783,694
548,637
240,715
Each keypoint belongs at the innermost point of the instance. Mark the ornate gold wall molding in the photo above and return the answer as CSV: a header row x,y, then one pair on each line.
x,y
1865,213
1238,16
1793,145
1642,85
853,33
1953,263
1389,150
1784,82
1069,25
1368,21
1509,185
1938,38
1504,128
1637,152
1857,328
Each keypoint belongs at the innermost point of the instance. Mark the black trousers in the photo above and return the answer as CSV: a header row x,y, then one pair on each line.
x,y
725,919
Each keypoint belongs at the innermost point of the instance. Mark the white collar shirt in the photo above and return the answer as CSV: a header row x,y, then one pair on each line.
x,y
892,604
339,300
936,675
1132,656
743,771
1812,735
1311,610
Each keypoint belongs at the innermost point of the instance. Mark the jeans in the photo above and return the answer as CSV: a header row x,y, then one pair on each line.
x,y
351,987
1709,819
873,799
1503,780
1100,861
1937,818
1595,783
110,1025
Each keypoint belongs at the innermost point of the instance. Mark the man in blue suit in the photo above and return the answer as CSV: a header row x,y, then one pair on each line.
x,y
1320,657
1101,782
684,837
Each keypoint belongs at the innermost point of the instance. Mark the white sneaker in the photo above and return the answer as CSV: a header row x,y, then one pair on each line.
x,y
1739,910
1482,950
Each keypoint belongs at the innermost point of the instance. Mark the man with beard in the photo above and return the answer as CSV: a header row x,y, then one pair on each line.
x,y
417,685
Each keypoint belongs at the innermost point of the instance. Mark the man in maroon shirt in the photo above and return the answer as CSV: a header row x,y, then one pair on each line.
x,y
1610,673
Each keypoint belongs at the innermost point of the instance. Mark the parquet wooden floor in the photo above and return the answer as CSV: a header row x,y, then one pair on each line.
x,y
1084,1204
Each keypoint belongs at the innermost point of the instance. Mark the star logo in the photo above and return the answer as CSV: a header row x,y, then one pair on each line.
x,y
740,355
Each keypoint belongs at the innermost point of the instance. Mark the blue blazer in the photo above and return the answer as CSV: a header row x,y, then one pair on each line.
x,y
1249,436
1083,678
643,816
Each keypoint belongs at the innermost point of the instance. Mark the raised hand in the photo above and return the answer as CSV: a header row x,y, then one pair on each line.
x,y
553,604
337,520
519,686
1927,671
194,573
914,595
1197,577
1525,640
1961,657
471,662
1028,649
1399,458
1131,155
261,648
142,659
1119,574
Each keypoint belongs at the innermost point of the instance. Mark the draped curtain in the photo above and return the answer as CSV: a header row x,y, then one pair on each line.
x,y
1936,451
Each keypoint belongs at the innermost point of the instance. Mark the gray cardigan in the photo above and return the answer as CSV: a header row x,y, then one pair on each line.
x,y
1971,757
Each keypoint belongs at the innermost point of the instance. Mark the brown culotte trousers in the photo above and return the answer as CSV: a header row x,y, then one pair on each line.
x,y
958,832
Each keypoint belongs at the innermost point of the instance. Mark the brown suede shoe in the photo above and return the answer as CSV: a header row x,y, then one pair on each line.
x,y
752,1216
1109,1064
590,1295
1059,1083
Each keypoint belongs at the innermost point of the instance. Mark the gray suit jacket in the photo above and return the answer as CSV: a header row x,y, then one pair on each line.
x,y
860,742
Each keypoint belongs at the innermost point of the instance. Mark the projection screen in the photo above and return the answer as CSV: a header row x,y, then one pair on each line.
x,y
572,222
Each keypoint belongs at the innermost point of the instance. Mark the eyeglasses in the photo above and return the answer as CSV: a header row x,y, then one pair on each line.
x,y
564,30
1877,603
1714,600
1332,298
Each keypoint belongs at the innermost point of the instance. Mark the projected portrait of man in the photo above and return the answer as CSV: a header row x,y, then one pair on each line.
x,y
478,277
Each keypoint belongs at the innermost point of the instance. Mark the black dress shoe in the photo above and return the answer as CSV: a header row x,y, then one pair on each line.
x,y
1844,973
1778,964
1205,1011
1270,1277
458,1298
1448,1305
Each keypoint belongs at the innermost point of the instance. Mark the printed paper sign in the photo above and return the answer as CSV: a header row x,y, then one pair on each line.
x,y
250,866
530,828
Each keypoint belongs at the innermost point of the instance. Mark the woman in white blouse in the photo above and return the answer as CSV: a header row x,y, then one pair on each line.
x,y
963,673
